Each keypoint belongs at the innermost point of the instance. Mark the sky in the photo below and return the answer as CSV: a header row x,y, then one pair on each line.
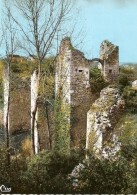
x,y
114,20
97,20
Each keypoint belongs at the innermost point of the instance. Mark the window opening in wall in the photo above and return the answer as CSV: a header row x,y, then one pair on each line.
x,y
80,70
87,72
76,69
110,70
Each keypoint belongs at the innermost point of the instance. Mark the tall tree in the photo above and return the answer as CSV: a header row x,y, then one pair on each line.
x,y
9,46
39,23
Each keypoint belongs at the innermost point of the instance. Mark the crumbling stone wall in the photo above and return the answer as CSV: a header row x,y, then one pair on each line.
x,y
18,89
80,97
22,92
109,53
72,79
19,109
101,120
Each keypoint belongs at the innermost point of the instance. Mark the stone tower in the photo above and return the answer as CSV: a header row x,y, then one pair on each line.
x,y
72,77
109,53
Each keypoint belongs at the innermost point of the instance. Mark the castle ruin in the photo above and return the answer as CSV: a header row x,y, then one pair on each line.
x,y
72,80
72,77
109,54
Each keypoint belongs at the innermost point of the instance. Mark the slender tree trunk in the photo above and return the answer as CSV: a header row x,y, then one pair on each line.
x,y
34,112
6,108
49,131
7,131
33,129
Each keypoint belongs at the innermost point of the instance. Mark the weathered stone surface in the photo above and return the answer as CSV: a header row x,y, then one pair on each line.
x,y
101,119
19,106
75,174
134,84
109,53
72,78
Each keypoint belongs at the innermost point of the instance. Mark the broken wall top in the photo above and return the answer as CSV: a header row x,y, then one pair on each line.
x,y
108,97
78,58
107,49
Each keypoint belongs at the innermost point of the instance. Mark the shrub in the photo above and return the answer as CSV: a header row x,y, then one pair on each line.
x,y
26,147
47,172
107,176
130,96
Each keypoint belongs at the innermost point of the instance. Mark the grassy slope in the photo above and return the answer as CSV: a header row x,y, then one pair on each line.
x,y
127,128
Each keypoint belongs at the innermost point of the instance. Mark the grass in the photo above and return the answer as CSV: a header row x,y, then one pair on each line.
x,y
127,128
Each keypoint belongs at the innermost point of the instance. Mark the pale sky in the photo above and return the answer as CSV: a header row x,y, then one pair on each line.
x,y
115,20
97,20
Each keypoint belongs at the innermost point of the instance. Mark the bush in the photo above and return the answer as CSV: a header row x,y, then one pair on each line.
x,y
10,174
27,147
107,176
123,82
130,96
46,172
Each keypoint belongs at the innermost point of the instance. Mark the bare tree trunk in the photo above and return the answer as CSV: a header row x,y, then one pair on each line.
x,y
6,86
49,130
7,132
33,129
9,40
43,21
35,110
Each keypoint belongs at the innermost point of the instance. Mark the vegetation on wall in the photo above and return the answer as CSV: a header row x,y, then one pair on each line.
x,y
97,81
49,171
61,137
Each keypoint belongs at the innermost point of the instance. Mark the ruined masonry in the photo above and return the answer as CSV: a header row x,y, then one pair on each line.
x,y
21,95
72,80
17,93
101,120
109,54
